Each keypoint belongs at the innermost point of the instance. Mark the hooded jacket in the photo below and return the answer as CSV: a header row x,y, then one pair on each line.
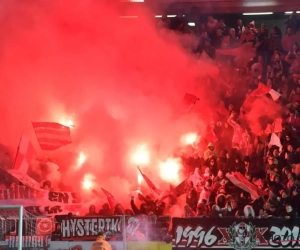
x,y
208,153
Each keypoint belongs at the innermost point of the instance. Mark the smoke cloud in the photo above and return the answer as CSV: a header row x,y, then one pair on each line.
x,y
120,81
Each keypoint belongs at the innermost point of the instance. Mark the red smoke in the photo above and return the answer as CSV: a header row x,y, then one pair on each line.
x,y
120,81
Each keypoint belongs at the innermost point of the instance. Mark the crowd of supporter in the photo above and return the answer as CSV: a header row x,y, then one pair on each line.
x,y
274,169
233,147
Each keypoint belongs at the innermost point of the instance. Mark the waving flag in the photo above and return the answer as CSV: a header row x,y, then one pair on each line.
x,y
179,189
52,135
242,182
190,99
263,90
110,199
242,54
150,184
275,127
25,155
259,94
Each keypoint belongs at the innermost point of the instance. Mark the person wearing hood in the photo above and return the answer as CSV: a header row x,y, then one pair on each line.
x,y
210,152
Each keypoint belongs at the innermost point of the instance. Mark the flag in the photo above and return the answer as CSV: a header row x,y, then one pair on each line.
x,y
141,198
242,182
262,89
25,155
277,125
275,140
24,178
110,199
51,135
274,94
150,184
190,99
242,54
180,189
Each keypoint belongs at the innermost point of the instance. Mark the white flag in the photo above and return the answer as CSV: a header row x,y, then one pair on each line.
x,y
275,140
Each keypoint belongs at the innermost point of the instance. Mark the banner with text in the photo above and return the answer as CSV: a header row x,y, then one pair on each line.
x,y
233,233
137,228
41,202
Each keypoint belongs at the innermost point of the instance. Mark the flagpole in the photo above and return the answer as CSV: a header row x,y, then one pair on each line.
x,y
18,149
265,152
193,105
144,178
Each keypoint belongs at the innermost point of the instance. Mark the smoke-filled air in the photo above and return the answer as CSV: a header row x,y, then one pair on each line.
x,y
118,83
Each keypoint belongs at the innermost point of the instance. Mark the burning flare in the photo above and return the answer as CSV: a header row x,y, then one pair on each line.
x,y
169,170
141,156
87,184
140,178
189,139
88,181
67,122
81,159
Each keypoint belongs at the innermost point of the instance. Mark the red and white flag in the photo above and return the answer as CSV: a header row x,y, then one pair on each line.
x,y
25,155
52,135
242,182
263,90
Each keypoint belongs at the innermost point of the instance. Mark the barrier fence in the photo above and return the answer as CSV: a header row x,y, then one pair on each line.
x,y
151,232
188,233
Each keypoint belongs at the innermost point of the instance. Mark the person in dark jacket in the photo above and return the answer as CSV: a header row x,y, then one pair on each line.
x,y
141,211
105,211
289,212
222,161
191,196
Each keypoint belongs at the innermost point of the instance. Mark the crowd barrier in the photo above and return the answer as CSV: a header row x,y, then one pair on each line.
x,y
235,233
132,228
142,232
162,233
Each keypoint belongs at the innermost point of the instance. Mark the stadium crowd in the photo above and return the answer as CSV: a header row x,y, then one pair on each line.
x,y
232,147
273,167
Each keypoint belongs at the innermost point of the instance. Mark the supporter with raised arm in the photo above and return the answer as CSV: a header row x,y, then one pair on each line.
x,y
136,211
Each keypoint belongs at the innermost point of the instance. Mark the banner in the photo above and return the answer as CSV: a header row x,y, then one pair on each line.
x,y
87,228
41,202
137,228
233,233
